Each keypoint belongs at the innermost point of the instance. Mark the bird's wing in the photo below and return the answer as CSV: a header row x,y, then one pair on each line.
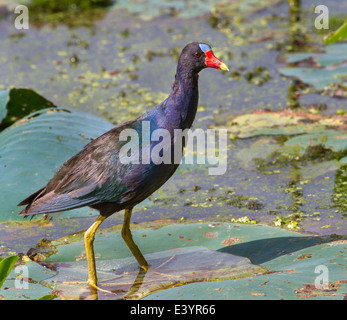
x,y
92,176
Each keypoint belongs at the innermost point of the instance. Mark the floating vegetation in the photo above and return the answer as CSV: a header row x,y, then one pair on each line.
x,y
244,219
73,13
287,222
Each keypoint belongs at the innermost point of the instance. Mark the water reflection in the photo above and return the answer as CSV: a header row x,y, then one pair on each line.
x,y
122,290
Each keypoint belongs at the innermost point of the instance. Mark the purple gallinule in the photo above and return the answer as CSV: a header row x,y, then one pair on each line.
x,y
97,177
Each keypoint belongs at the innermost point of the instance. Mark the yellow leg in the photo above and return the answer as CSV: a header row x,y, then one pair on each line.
x,y
89,240
128,238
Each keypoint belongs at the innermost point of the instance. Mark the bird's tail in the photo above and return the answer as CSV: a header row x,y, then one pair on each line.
x,y
41,202
28,201
31,198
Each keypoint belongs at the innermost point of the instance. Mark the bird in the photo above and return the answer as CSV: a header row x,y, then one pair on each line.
x,y
97,177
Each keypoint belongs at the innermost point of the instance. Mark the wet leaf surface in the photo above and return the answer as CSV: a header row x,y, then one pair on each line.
x,y
289,276
264,262
6,264
170,268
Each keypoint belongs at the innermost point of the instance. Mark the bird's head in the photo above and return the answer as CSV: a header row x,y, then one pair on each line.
x,y
197,56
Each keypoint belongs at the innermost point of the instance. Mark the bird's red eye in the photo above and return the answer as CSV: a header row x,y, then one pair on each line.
x,y
197,55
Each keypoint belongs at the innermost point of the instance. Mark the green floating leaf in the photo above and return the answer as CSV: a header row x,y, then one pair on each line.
x,y
18,103
294,275
6,265
224,260
290,137
338,35
34,148
329,139
324,71
122,279
177,254
284,122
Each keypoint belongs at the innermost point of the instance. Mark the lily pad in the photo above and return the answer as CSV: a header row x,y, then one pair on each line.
x,y
330,139
300,153
26,165
338,35
284,122
290,138
18,103
6,264
228,260
121,278
327,70
303,132
182,254
296,275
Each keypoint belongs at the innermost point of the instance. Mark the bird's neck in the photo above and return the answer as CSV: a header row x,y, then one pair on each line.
x,y
182,103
